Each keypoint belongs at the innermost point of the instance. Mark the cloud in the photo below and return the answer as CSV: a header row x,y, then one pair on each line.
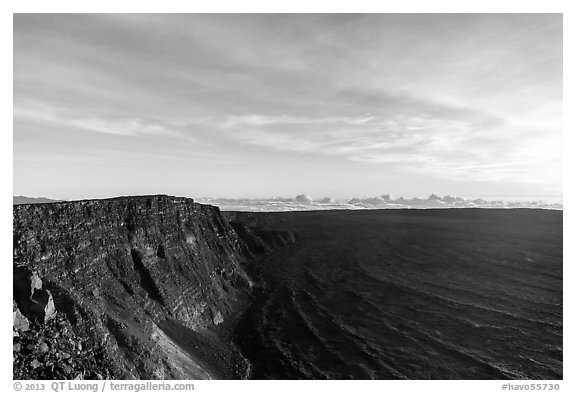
x,y
471,98
303,198
305,202
44,114
410,133
417,136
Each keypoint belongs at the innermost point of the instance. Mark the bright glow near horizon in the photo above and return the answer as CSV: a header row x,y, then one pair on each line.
x,y
263,105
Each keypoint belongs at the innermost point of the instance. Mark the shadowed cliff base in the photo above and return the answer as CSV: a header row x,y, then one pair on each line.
x,y
161,287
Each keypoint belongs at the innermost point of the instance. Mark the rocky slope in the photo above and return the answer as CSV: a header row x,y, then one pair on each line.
x,y
132,287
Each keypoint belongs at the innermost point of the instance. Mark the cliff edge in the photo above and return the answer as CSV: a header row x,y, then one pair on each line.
x,y
131,288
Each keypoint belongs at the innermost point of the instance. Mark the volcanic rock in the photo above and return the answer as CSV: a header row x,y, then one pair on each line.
x,y
99,279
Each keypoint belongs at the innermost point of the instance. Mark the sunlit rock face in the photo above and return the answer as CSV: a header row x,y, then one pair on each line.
x,y
117,268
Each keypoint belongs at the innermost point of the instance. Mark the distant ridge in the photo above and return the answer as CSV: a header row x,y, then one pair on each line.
x,y
24,200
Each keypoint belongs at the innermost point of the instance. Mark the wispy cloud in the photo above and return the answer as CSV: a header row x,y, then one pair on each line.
x,y
49,115
419,136
458,100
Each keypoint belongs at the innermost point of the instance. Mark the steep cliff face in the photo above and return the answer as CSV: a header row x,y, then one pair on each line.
x,y
145,282
260,232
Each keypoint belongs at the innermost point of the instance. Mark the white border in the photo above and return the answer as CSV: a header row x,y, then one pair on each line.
x,y
243,6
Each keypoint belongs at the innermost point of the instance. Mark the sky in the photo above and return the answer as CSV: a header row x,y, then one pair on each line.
x,y
261,105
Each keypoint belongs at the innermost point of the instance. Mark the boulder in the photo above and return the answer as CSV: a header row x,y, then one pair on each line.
x,y
20,322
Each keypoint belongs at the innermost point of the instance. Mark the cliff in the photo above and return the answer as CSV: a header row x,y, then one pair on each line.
x,y
261,232
131,287
24,200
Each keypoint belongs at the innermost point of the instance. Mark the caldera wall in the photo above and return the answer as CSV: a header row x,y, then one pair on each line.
x,y
117,268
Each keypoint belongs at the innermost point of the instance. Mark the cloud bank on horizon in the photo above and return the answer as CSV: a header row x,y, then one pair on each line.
x,y
305,202
242,104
